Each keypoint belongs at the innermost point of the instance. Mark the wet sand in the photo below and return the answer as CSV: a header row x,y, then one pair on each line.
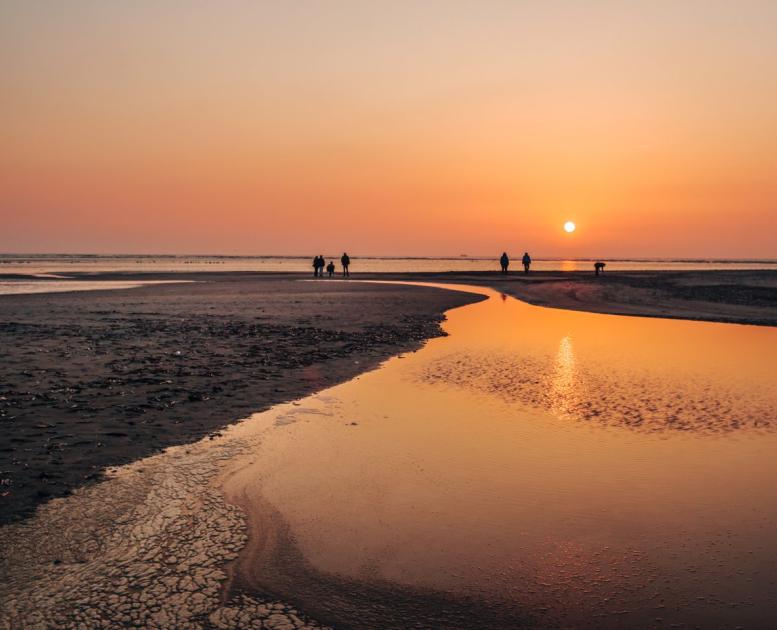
x,y
737,296
743,297
618,475
100,378
145,548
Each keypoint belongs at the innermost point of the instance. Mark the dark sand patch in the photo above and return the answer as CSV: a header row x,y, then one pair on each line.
x,y
96,379
742,297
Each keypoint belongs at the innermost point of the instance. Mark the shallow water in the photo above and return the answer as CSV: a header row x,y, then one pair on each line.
x,y
564,467
19,287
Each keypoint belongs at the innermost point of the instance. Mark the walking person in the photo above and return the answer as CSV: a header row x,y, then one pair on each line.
x,y
345,261
504,261
526,260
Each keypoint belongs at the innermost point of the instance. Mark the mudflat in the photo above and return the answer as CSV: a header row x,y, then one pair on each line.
x,y
735,296
743,297
99,378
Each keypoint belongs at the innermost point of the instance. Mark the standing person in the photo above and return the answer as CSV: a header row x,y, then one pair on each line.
x,y
526,260
504,261
330,268
321,263
315,267
345,260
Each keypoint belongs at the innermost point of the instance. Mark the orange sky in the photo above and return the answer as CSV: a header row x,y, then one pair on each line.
x,y
399,128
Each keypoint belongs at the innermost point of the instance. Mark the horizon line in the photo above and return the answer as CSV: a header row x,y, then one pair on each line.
x,y
399,257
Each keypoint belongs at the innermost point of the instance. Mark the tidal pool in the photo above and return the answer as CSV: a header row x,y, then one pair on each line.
x,y
535,467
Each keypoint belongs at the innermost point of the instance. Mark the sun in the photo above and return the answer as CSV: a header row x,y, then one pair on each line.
x,y
569,226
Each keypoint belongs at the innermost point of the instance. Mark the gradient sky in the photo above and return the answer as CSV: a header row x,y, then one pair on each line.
x,y
423,128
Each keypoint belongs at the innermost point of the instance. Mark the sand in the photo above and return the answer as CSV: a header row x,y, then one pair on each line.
x,y
101,378
743,297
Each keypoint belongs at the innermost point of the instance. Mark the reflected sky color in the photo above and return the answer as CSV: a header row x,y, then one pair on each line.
x,y
605,470
564,382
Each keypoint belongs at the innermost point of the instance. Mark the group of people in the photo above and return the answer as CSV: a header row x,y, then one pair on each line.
x,y
504,261
319,264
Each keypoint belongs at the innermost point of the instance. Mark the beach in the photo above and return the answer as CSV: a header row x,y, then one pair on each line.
x,y
356,497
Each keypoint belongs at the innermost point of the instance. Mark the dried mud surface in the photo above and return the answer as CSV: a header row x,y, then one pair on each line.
x,y
146,548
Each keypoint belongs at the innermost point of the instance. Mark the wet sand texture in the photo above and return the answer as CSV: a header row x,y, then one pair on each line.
x,y
93,379
146,548
743,297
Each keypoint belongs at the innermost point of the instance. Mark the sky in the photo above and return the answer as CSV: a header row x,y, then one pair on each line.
x,y
389,128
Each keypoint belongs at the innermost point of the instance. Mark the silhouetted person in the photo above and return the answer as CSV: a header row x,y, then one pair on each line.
x,y
315,267
526,260
598,267
345,261
504,261
330,269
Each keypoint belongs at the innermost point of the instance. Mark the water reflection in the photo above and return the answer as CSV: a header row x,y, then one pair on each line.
x,y
598,471
648,375
564,385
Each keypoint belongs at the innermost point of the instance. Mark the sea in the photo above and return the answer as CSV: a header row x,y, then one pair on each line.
x,y
53,265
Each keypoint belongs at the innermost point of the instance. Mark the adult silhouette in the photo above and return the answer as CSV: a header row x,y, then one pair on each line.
x,y
504,262
599,267
345,261
315,267
526,260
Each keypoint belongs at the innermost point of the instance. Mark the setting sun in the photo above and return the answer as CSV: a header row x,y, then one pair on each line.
x,y
569,226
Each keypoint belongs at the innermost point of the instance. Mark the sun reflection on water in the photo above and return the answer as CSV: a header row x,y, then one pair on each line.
x,y
565,381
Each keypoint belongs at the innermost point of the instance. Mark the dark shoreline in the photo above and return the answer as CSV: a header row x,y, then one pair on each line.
x,y
94,379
